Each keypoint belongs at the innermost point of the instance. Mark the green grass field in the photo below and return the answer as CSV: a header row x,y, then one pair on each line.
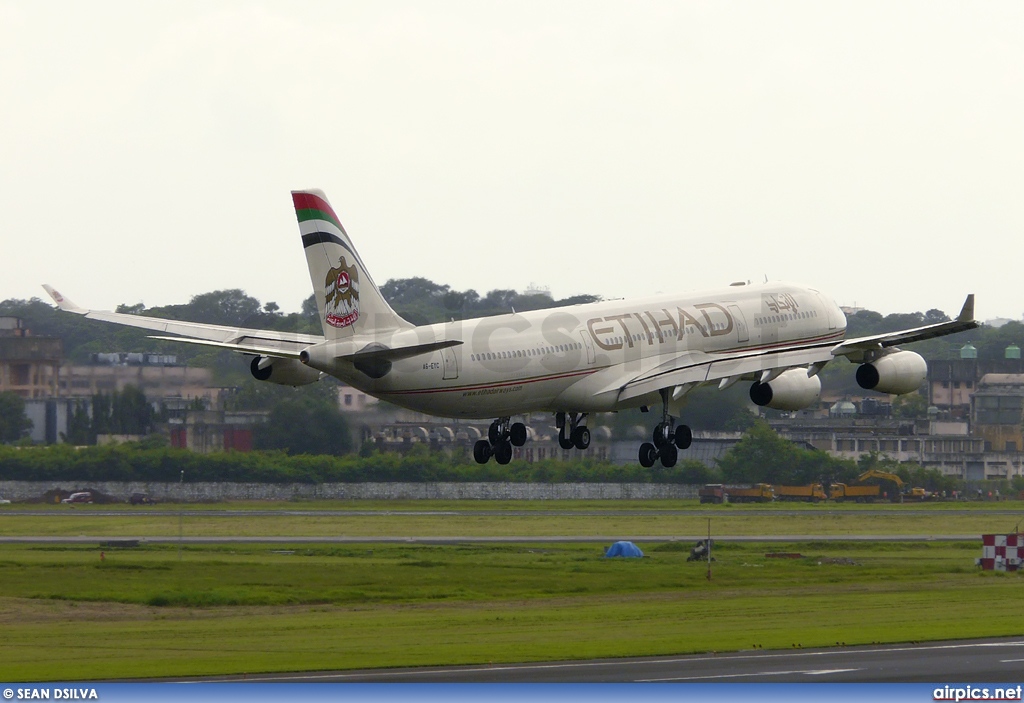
x,y
142,612
523,519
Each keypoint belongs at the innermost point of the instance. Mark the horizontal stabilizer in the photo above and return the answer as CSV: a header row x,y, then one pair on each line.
x,y
399,352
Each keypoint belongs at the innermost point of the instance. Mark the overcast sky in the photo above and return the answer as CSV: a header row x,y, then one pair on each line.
x,y
873,150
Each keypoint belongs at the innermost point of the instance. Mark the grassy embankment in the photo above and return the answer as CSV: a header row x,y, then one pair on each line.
x,y
65,614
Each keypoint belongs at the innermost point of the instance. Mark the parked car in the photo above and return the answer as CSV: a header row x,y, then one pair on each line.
x,y
80,497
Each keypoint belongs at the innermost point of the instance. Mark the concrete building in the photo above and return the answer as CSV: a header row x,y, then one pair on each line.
x,y
941,445
951,383
997,412
353,400
49,418
157,381
29,365
208,431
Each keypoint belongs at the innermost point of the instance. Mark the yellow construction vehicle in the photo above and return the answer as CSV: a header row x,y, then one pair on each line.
x,y
862,494
902,490
758,493
811,493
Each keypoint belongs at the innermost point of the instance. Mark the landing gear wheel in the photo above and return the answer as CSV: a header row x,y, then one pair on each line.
x,y
661,436
517,434
494,433
684,437
668,454
581,437
565,442
482,451
648,453
503,452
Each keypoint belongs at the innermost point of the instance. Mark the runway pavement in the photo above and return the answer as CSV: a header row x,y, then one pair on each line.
x,y
953,663
718,511
505,539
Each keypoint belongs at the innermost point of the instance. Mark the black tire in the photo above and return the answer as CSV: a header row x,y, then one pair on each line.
x,y
494,433
684,437
482,451
648,453
581,437
517,434
503,452
669,455
565,442
659,435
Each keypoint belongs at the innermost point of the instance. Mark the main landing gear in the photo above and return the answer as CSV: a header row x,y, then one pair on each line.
x,y
501,437
668,440
572,432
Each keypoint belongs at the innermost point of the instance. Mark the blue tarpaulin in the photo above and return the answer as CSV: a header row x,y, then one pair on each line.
x,y
623,549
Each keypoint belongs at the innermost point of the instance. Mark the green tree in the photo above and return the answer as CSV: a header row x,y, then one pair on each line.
x,y
305,424
762,456
13,423
124,412
130,412
80,431
910,406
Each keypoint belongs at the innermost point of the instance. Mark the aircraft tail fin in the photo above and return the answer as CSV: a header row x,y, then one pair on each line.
x,y
348,300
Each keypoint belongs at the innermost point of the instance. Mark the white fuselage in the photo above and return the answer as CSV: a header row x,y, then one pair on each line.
x,y
573,358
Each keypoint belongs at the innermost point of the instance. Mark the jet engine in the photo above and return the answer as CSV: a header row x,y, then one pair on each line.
x,y
791,390
899,373
284,372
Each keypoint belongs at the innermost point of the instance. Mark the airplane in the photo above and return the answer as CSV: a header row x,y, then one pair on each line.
x,y
571,361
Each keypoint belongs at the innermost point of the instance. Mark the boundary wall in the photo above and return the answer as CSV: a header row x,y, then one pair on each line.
x,y
212,492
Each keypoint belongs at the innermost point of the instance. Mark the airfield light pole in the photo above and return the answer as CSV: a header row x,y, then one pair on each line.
x,y
181,512
709,549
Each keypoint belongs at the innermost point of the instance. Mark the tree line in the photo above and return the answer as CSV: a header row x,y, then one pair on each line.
x,y
138,462
761,456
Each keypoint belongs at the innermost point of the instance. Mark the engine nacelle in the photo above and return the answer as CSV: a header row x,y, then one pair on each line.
x,y
899,373
284,372
792,390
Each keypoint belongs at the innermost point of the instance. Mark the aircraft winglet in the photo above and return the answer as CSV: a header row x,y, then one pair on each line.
x,y
967,312
62,302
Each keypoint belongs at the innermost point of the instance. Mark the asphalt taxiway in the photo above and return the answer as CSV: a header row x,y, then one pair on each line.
x,y
952,662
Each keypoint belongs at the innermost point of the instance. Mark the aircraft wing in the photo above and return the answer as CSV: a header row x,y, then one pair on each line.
x,y
240,339
855,349
692,368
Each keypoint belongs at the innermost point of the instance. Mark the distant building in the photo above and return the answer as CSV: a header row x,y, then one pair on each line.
x,y
49,418
952,382
354,400
942,445
207,431
29,365
157,380
997,412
